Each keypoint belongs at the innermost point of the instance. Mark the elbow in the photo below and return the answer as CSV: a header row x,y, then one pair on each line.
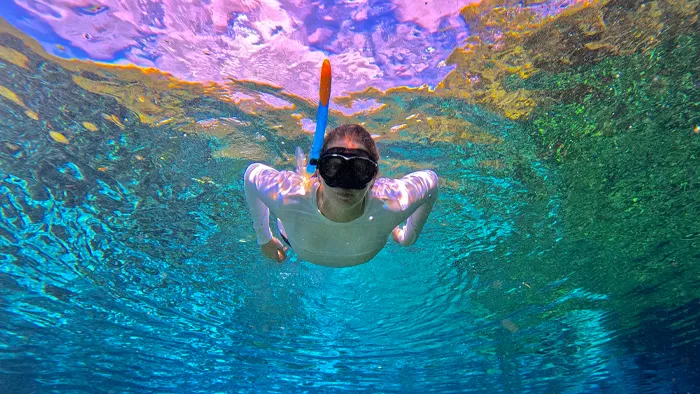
x,y
428,183
250,173
433,187
249,179
432,179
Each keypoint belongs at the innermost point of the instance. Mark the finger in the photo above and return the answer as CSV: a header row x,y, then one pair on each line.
x,y
281,256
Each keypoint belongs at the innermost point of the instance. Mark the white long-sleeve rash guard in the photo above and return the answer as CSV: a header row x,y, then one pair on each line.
x,y
321,241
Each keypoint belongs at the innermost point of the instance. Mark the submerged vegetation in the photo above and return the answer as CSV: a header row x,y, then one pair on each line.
x,y
568,147
607,92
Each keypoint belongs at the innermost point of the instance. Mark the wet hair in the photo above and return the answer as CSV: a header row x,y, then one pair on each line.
x,y
353,132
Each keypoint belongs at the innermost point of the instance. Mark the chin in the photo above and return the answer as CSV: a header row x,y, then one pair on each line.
x,y
348,196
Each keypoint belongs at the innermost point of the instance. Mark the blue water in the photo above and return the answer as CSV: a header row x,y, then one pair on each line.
x,y
142,279
128,265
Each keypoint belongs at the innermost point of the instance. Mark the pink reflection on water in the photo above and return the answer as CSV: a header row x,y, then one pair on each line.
x,y
431,13
381,44
282,42
275,102
308,125
359,106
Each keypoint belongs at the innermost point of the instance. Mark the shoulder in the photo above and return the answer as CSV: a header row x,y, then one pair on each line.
x,y
424,178
403,192
269,180
386,187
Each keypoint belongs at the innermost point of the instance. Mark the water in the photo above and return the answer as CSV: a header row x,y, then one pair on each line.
x,y
561,256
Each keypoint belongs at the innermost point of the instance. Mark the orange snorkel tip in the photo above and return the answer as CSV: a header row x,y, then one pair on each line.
x,y
325,90
321,117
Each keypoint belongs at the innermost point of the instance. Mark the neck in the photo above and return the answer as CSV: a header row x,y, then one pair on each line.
x,y
338,212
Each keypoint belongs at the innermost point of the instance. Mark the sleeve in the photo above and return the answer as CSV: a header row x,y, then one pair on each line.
x,y
417,192
263,192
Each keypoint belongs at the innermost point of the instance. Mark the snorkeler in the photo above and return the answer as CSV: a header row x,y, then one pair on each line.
x,y
344,215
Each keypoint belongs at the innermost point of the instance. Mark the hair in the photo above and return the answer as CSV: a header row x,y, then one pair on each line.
x,y
353,132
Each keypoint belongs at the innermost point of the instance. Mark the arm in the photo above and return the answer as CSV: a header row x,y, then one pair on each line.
x,y
422,191
267,189
254,183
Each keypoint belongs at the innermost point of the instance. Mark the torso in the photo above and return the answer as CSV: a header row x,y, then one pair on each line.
x,y
319,240
292,198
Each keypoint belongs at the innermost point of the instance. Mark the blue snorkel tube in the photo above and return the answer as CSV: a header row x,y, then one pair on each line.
x,y
321,117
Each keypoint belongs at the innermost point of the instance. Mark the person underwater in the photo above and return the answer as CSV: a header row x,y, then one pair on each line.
x,y
342,216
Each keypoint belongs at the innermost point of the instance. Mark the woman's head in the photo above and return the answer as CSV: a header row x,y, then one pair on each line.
x,y
351,136
348,164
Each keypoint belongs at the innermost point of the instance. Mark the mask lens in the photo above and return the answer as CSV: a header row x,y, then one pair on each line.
x,y
330,166
346,173
364,170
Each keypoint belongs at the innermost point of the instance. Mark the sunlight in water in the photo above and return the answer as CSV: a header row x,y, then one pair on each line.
x,y
560,256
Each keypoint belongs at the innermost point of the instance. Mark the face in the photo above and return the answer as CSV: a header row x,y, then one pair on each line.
x,y
347,197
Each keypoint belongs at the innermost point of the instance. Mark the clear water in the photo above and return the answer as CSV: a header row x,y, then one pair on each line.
x,y
562,255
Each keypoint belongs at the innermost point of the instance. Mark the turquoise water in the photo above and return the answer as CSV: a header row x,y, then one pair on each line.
x,y
555,260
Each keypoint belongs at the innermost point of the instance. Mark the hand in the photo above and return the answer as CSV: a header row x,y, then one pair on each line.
x,y
274,250
402,237
397,234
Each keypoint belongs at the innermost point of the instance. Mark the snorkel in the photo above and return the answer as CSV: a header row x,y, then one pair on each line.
x,y
321,117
